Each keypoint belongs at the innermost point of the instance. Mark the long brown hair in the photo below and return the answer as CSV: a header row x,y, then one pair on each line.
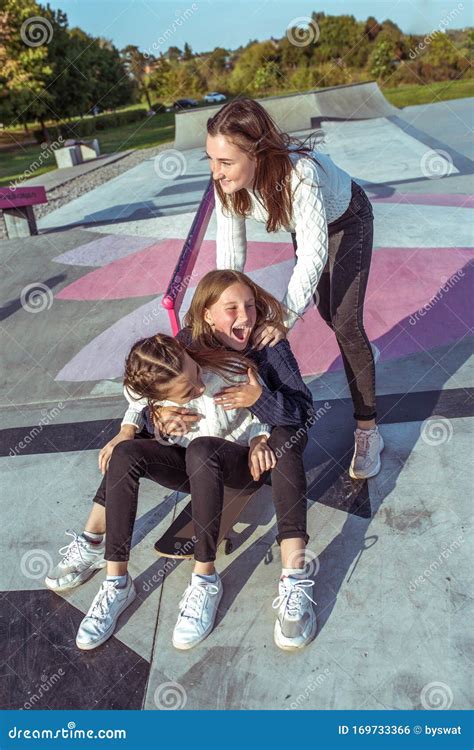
x,y
247,124
209,290
154,361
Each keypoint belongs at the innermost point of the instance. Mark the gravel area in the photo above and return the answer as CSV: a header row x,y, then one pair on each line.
x,y
67,192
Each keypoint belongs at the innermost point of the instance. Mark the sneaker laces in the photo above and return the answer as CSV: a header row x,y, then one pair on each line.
x,y
294,596
192,602
72,552
363,438
100,605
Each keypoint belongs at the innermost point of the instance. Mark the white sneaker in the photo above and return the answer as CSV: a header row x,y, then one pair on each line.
x,y
197,612
80,560
366,459
296,623
99,623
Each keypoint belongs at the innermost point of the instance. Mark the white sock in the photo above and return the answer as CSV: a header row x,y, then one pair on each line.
x,y
292,572
196,577
121,580
93,538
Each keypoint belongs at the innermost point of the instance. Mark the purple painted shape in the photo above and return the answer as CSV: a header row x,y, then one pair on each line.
x,y
427,199
406,311
16,197
104,250
104,357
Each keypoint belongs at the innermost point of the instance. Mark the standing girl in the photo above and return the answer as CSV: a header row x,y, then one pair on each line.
x,y
264,174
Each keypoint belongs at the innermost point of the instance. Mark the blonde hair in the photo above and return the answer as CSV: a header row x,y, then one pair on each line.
x,y
208,292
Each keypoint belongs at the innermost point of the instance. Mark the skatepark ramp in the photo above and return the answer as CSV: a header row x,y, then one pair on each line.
x,y
356,101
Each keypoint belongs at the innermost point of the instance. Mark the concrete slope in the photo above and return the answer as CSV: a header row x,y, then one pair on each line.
x,y
357,101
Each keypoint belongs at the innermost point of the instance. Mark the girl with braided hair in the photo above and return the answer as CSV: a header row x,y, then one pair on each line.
x,y
224,446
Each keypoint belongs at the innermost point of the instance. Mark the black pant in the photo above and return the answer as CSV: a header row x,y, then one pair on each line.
x,y
340,297
203,469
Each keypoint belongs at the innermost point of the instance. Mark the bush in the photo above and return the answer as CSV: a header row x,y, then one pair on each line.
x,y
78,129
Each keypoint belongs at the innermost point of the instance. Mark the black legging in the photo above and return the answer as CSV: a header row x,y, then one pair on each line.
x,y
341,293
203,469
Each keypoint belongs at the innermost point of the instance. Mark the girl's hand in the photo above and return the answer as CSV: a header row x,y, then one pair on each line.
x,y
261,457
174,420
127,432
267,335
240,396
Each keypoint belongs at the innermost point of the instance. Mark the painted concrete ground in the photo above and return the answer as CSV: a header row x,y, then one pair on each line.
x,y
391,555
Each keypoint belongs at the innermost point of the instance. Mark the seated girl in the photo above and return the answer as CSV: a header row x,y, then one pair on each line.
x,y
227,447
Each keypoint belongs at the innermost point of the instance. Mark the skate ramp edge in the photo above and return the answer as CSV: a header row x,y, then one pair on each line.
x,y
356,101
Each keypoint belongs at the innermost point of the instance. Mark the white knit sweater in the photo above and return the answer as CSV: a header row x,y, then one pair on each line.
x,y
321,194
236,425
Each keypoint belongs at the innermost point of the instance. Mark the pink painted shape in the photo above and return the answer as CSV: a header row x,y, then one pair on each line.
x,y
148,271
104,356
401,282
30,196
427,199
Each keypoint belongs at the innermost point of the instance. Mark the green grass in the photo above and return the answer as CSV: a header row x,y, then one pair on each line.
x,y
160,129
138,135
406,96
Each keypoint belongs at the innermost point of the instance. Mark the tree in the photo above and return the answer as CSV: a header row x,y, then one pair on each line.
x,y
158,78
372,28
24,68
246,66
217,60
382,59
266,77
137,64
173,54
187,52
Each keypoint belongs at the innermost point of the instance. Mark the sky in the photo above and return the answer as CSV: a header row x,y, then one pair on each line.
x,y
206,24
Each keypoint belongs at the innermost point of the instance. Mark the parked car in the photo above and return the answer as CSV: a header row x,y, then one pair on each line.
x,y
184,103
214,96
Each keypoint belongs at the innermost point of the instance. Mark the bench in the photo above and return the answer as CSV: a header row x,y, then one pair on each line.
x,y
76,152
17,206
